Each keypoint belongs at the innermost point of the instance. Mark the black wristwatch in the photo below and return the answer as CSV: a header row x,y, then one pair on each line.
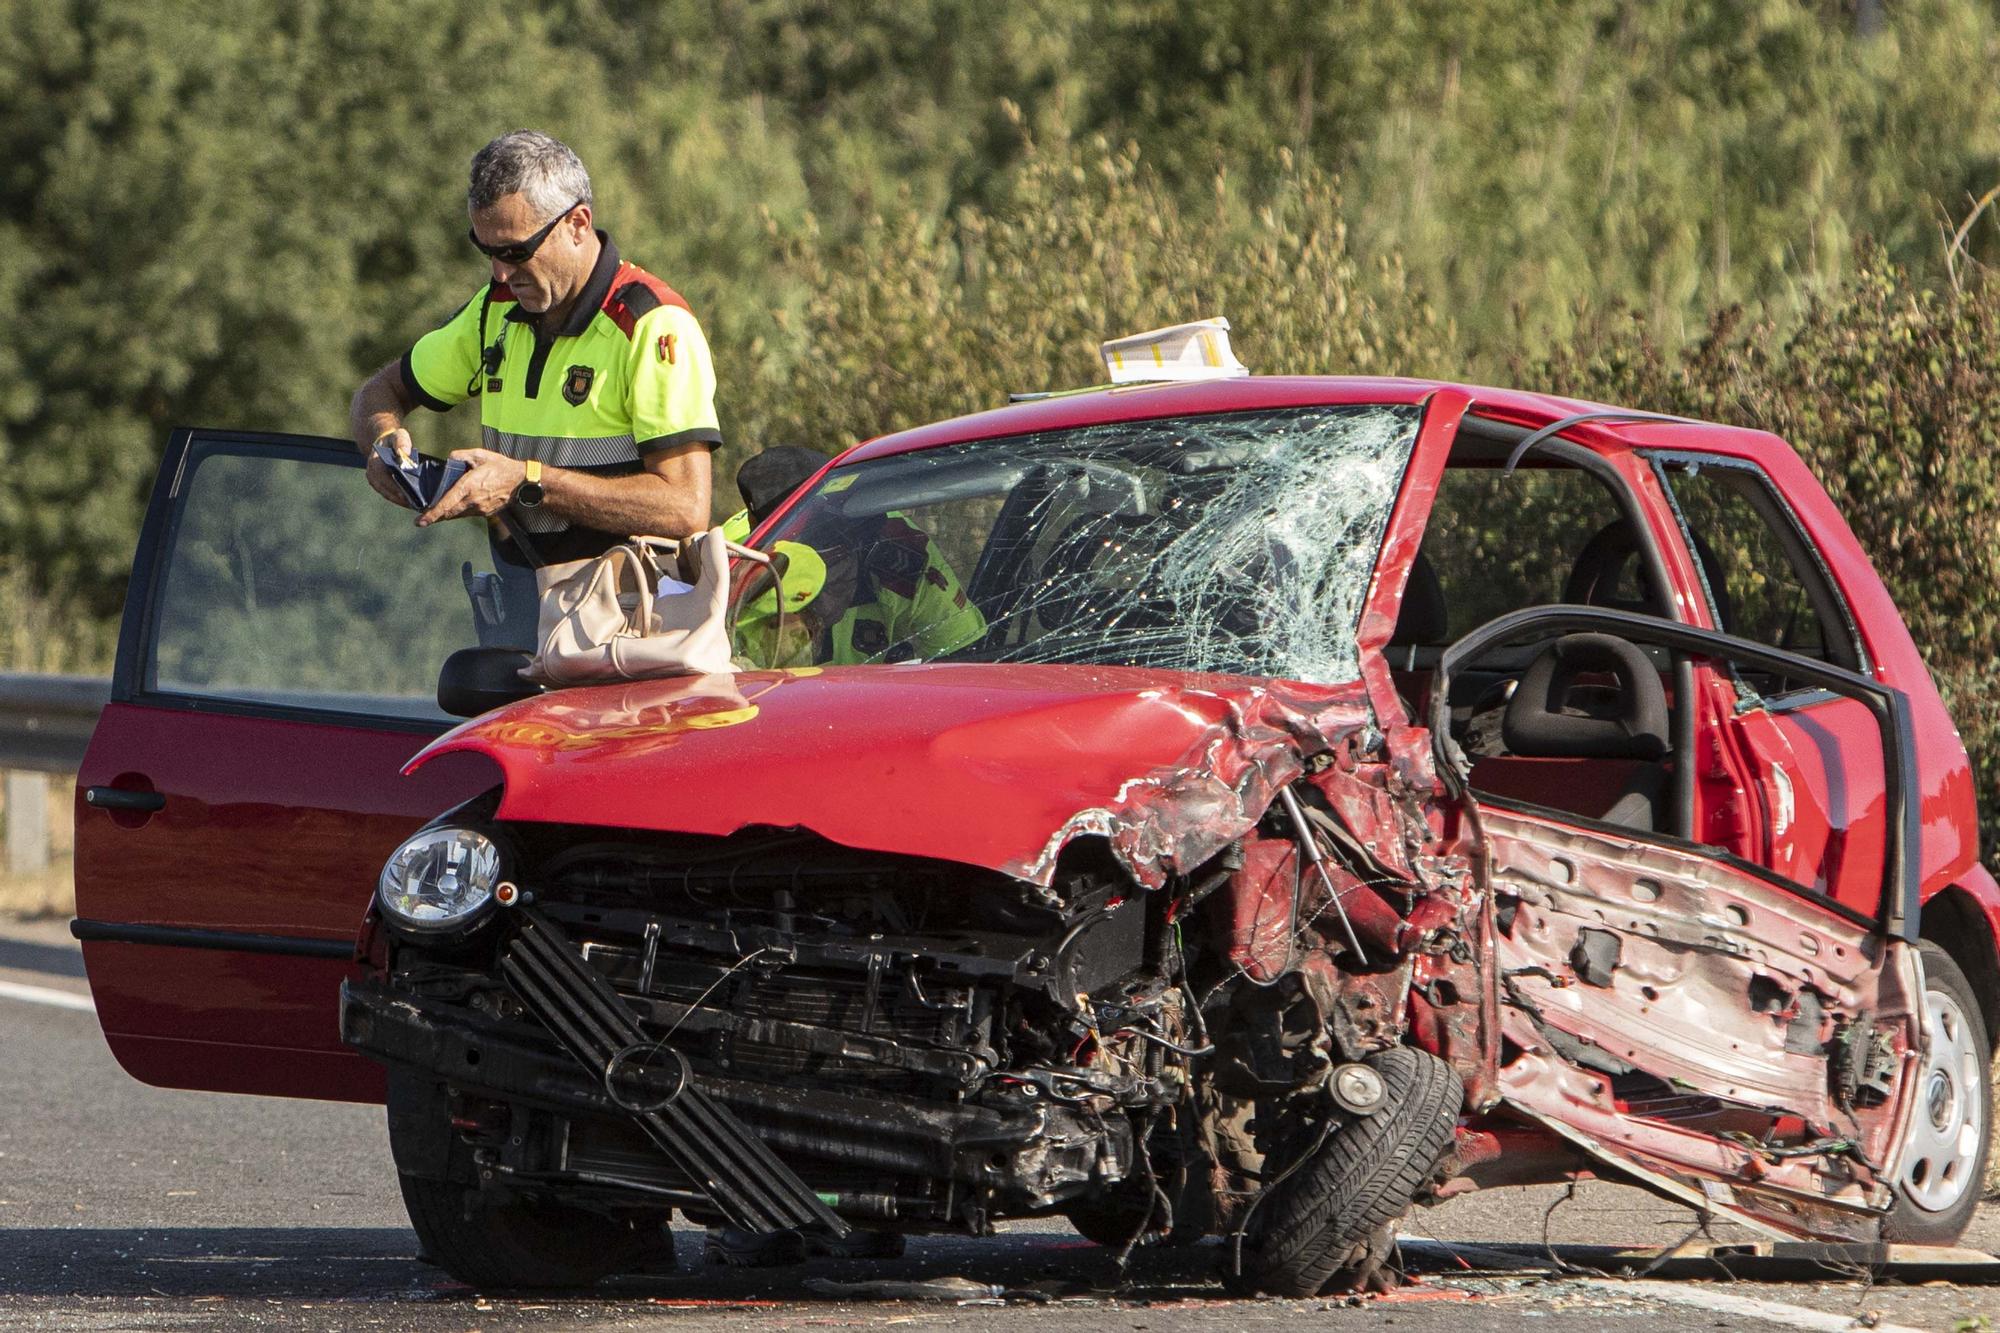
x,y
529,493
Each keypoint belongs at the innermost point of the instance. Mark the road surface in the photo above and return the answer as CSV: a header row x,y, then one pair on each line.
x,y
123,1206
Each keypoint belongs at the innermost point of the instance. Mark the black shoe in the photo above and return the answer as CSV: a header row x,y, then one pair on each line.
x,y
859,1244
731,1248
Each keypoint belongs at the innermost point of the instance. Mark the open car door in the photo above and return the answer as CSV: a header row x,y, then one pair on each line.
x,y
277,665
1735,1039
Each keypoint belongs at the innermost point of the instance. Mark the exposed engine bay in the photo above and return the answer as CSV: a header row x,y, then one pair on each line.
x,y
925,1044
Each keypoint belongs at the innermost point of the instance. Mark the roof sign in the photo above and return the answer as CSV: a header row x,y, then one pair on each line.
x,y
1195,351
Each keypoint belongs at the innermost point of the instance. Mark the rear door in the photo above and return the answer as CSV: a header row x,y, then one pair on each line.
x,y
277,665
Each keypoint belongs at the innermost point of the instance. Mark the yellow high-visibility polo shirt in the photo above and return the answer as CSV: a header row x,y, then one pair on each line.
x,y
628,373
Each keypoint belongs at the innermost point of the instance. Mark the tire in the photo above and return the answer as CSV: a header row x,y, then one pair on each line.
x,y
1106,1222
1327,1224
519,1246
516,1244
1112,1217
1112,1222
1942,1171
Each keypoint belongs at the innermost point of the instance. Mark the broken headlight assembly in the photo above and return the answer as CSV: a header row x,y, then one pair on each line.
x,y
440,880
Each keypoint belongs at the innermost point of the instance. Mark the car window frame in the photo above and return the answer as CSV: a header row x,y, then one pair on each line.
x,y
133,679
1801,551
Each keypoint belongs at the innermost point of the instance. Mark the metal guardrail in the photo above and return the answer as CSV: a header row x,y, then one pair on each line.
x,y
46,721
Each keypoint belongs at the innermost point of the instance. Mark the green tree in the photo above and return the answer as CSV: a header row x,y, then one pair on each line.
x,y
920,318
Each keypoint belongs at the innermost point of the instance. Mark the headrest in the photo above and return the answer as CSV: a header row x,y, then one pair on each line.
x,y
1422,618
1551,716
1594,579
765,479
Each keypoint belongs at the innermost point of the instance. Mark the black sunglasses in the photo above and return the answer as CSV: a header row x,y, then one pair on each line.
x,y
519,252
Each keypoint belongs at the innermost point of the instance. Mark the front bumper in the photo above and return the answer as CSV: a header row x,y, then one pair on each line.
x,y
944,1159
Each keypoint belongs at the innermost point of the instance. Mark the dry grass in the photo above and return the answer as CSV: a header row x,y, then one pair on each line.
x,y
1993,1141
52,893
51,890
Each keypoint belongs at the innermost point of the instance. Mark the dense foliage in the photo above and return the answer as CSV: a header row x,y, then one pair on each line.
x,y
885,212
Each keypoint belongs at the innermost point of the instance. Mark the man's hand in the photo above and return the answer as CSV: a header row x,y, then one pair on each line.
x,y
379,476
485,490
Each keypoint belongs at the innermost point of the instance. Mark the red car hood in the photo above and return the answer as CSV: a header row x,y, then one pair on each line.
x,y
996,766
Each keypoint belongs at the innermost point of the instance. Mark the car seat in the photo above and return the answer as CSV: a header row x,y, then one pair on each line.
x,y
1599,572
1554,713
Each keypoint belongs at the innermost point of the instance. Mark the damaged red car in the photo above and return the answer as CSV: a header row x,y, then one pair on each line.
x,y
1247,808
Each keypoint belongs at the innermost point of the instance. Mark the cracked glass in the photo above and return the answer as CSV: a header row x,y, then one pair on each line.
x,y
1240,543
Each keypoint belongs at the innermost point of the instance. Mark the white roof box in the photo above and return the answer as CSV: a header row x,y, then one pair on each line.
x,y
1196,351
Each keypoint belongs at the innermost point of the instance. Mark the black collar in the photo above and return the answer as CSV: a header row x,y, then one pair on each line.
x,y
588,301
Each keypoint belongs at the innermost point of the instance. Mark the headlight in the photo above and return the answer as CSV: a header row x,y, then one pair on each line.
x,y
440,879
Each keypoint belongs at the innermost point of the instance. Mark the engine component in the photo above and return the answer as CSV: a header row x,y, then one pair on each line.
x,y
742,1176
1357,1088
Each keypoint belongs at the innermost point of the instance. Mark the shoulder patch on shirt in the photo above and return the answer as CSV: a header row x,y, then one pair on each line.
x,y
635,294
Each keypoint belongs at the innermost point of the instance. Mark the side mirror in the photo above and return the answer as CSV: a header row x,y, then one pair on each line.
x,y
479,680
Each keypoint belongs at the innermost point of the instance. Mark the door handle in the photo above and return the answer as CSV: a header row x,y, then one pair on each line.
x,y
120,798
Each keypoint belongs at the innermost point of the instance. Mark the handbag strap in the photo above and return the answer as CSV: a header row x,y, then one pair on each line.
x,y
778,583
674,546
646,575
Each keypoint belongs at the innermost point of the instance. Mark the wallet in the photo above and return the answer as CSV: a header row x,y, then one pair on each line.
x,y
424,479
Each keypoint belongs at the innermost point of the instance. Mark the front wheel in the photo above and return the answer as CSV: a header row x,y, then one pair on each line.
x,y
519,1243
1943,1169
1328,1224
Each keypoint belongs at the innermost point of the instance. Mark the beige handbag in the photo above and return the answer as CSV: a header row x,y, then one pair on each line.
x,y
652,607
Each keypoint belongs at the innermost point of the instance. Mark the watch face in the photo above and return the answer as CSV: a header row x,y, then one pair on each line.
x,y
528,494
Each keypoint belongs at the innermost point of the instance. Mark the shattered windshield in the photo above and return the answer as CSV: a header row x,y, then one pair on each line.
x,y
1240,543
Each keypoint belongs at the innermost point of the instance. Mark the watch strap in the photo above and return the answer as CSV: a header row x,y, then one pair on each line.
x,y
529,493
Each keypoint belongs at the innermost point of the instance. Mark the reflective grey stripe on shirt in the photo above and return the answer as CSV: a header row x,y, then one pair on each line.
x,y
558,451
562,450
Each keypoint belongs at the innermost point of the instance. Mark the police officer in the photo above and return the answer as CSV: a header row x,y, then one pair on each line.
x,y
596,391
864,591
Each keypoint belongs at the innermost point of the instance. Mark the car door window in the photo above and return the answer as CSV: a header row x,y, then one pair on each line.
x,y
1504,541
1807,760
289,583
1499,542
1763,580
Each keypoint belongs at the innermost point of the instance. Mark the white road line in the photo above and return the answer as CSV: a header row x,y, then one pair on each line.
x,y
60,999
1744,1307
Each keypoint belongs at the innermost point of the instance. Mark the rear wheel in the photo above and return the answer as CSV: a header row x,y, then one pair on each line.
x,y
1114,1222
1135,1207
1943,1169
1328,1223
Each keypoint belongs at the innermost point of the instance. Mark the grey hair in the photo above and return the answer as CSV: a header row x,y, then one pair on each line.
x,y
541,169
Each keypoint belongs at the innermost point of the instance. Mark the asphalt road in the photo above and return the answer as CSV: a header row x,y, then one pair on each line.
x,y
128,1207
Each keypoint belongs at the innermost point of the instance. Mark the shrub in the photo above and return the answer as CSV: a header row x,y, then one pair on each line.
x,y
920,319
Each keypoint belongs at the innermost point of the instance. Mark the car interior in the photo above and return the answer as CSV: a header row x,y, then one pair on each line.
x,y
1583,724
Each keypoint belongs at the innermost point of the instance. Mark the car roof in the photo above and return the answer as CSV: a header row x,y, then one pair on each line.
x,y
1138,402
